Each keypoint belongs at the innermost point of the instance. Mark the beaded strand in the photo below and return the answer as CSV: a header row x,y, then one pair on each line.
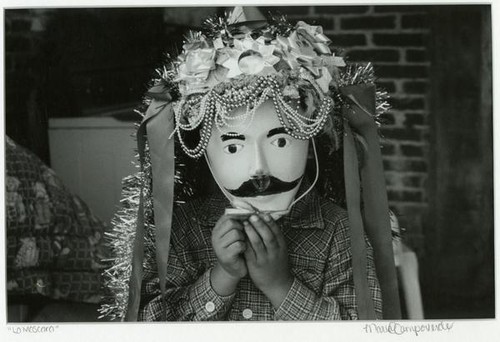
x,y
215,108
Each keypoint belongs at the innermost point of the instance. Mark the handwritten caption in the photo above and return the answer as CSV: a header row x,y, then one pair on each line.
x,y
33,329
399,328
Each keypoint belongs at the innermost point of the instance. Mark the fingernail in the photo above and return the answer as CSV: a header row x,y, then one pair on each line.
x,y
267,217
254,218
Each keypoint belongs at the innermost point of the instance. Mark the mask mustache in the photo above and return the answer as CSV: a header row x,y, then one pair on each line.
x,y
263,186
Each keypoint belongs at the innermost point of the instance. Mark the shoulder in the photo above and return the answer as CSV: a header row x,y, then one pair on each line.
x,y
335,217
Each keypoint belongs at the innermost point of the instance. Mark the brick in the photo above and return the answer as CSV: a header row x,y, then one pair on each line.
x,y
386,22
21,25
287,10
415,87
400,9
402,71
392,179
326,22
388,150
413,55
347,40
412,151
405,165
389,86
341,9
374,55
412,119
407,103
404,196
17,44
412,181
399,39
400,134
387,119
415,21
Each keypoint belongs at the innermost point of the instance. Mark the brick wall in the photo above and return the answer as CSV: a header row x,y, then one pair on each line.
x,y
394,39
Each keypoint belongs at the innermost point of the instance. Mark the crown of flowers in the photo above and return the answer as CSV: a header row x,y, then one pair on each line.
x,y
231,64
231,51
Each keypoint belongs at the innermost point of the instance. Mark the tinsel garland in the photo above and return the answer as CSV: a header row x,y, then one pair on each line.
x,y
120,239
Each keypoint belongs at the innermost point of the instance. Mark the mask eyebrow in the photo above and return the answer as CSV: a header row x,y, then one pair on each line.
x,y
230,136
277,130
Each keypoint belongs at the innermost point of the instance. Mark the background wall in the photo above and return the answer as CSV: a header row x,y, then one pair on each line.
x,y
103,59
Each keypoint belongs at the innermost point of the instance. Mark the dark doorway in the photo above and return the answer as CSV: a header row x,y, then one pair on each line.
x,y
458,270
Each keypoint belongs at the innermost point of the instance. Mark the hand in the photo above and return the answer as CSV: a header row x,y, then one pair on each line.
x,y
228,242
267,257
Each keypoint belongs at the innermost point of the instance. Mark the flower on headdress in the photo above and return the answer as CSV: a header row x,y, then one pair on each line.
x,y
314,35
197,65
248,57
307,47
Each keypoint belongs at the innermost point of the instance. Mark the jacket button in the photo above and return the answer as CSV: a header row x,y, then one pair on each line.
x,y
247,313
210,306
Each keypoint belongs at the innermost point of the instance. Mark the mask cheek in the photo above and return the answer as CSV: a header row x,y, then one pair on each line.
x,y
288,164
231,170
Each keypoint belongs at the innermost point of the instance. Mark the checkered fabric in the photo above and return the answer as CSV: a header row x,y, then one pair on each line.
x,y
317,236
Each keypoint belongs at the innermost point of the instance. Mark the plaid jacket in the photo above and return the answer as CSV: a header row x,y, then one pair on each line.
x,y
317,236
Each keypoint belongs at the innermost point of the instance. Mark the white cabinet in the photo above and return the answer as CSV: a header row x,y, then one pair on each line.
x,y
91,155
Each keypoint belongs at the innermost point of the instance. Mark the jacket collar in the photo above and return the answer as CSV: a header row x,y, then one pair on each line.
x,y
304,214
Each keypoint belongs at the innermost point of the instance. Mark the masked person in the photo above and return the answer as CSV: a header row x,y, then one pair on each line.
x,y
258,104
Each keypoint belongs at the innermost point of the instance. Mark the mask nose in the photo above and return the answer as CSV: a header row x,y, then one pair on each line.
x,y
259,172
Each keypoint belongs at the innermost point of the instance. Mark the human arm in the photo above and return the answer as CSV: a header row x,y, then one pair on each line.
x,y
188,296
267,262
191,293
267,258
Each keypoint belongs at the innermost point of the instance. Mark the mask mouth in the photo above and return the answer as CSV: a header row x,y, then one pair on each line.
x,y
263,186
261,183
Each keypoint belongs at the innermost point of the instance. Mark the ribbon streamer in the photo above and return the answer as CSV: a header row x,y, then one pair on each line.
x,y
158,124
376,209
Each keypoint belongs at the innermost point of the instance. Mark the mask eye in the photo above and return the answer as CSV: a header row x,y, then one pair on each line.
x,y
281,142
232,148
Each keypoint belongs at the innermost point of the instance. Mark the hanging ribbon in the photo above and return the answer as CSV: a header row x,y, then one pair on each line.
x,y
364,301
375,205
157,125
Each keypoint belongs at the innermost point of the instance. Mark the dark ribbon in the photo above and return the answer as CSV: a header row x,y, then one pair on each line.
x,y
364,301
376,220
157,125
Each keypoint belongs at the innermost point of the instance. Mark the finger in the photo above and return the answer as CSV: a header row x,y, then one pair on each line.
x,y
250,255
264,231
254,239
232,236
237,247
275,228
224,225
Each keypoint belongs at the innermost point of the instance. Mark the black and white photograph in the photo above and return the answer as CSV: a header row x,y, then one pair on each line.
x,y
231,169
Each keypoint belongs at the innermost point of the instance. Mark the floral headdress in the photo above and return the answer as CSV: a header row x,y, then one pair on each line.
x,y
236,62
232,64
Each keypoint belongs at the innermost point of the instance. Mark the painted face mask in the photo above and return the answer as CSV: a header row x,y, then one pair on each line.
x,y
256,162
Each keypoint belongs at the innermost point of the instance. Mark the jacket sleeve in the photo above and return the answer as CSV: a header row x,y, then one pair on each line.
x,y
188,297
337,300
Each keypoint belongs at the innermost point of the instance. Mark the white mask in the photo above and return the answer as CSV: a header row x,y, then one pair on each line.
x,y
263,165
